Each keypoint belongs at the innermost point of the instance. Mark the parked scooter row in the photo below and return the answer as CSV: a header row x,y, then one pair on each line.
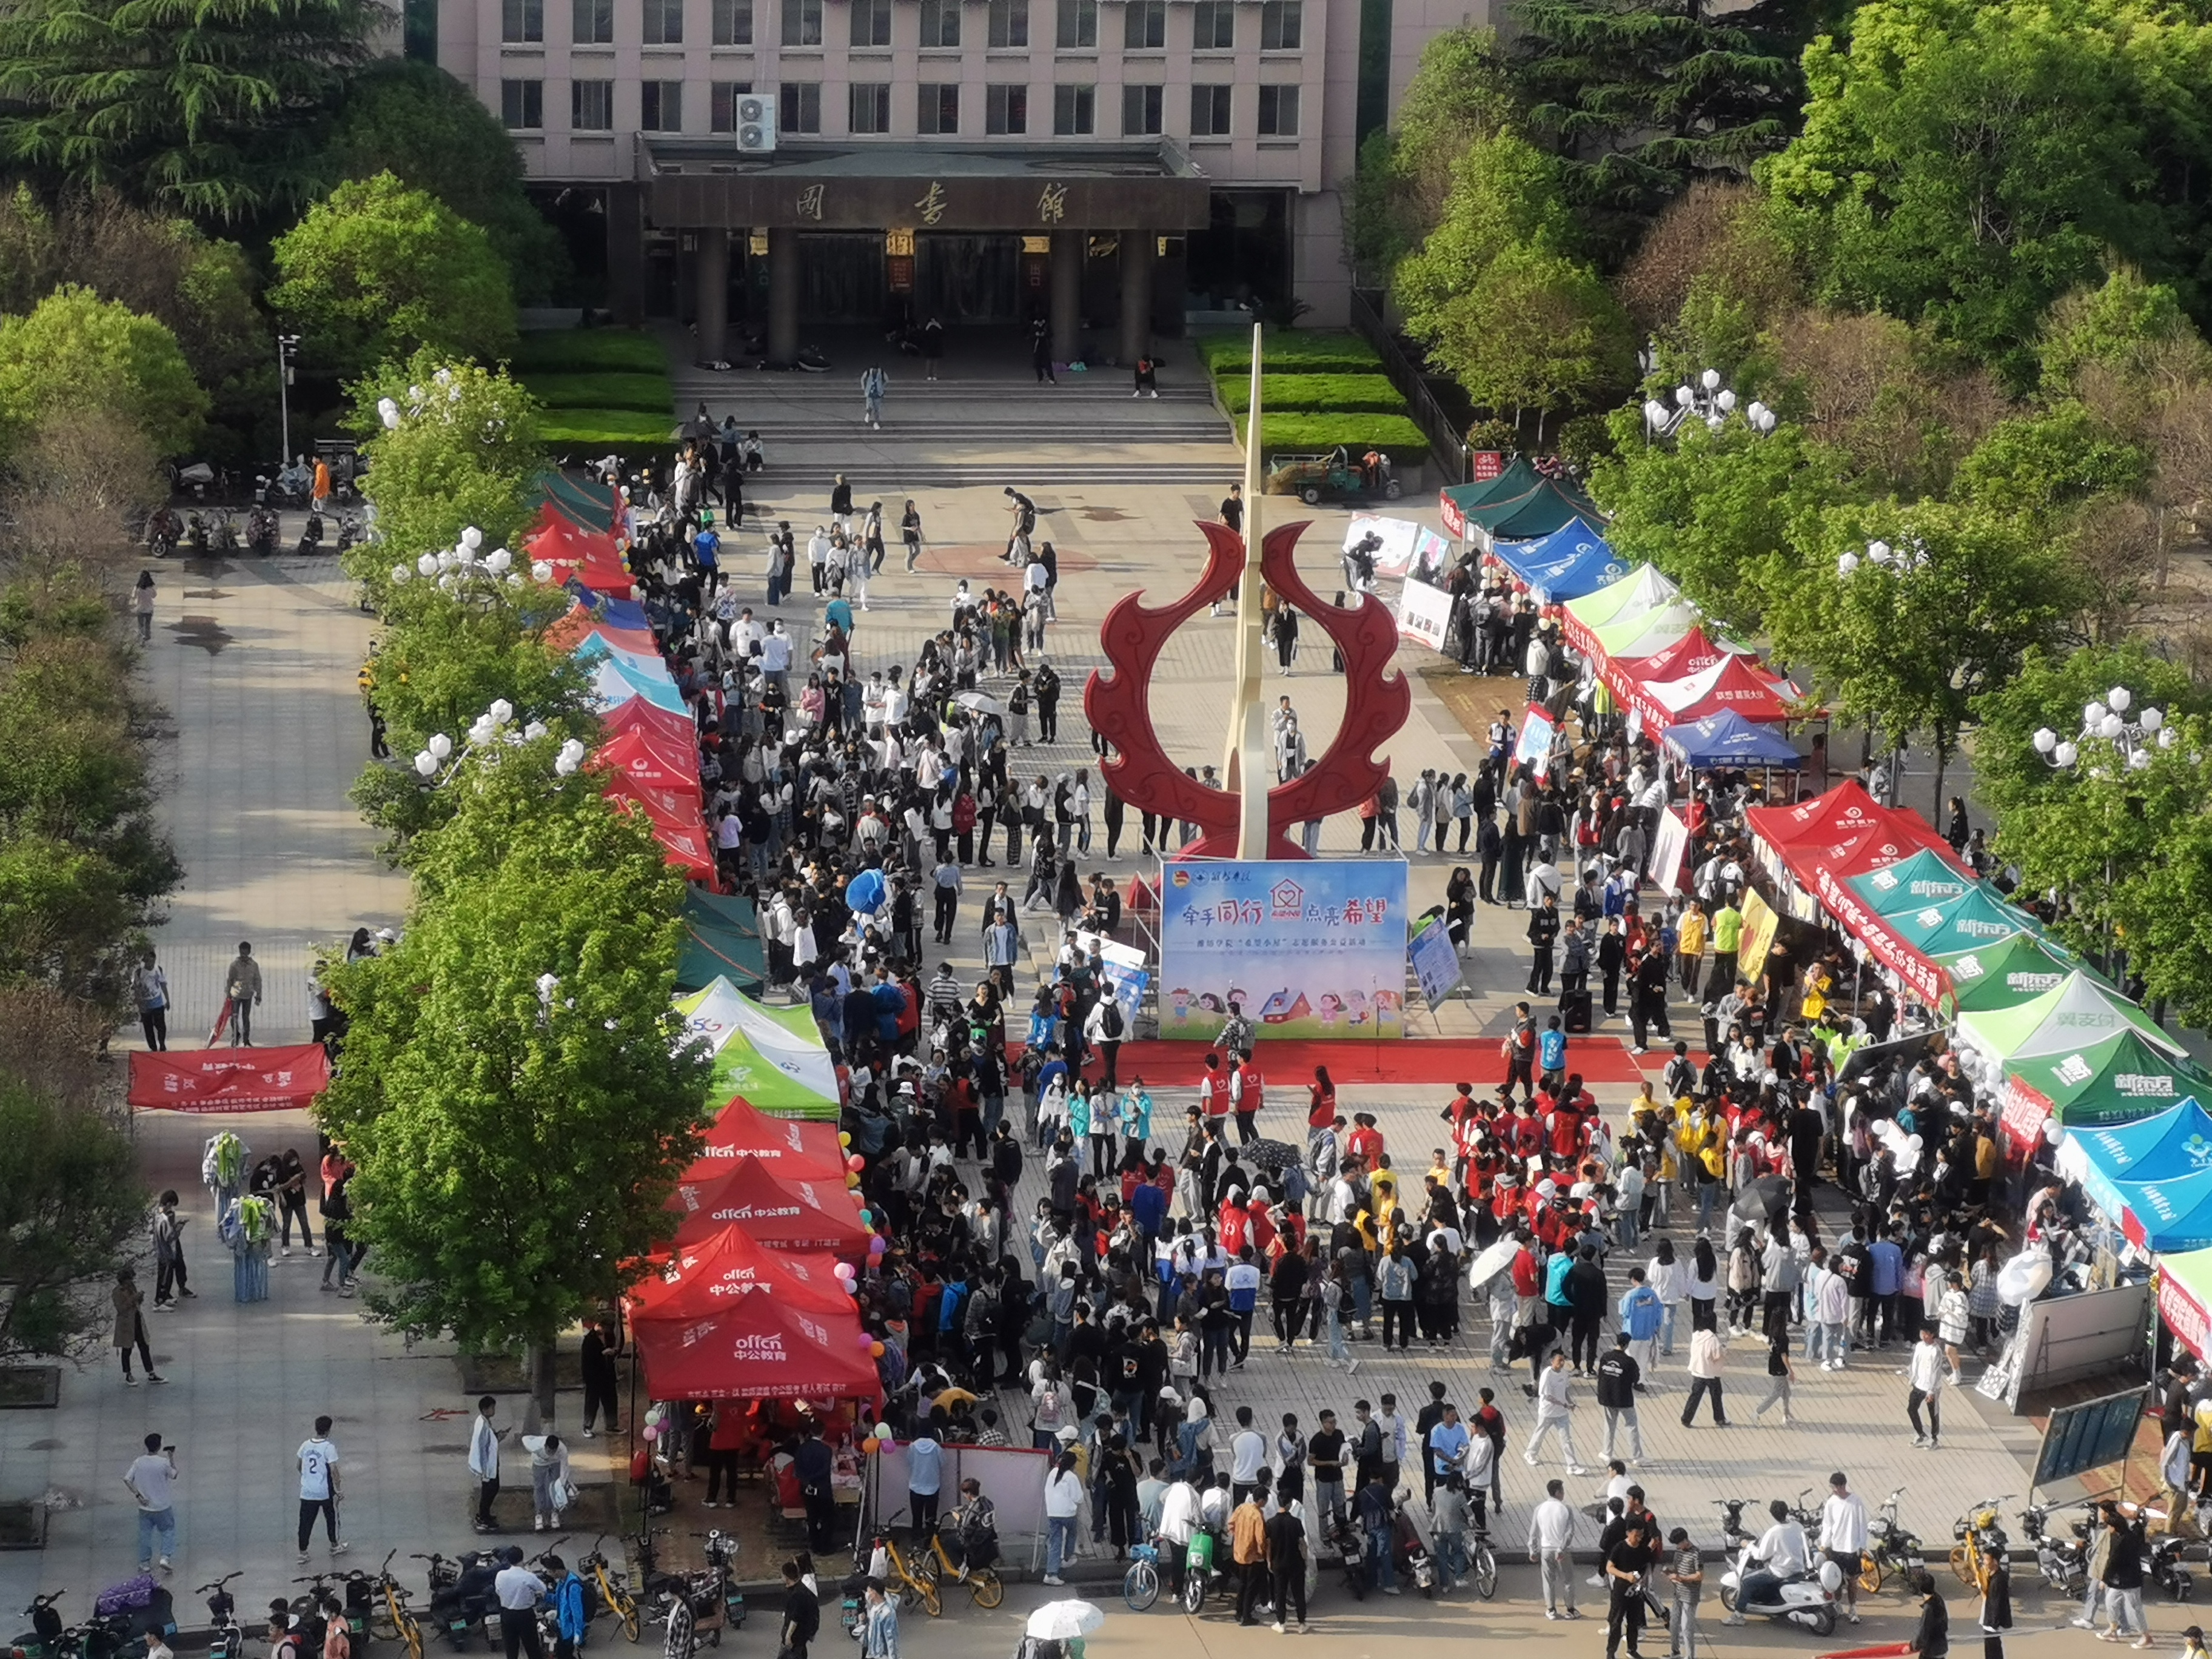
x,y
2063,1561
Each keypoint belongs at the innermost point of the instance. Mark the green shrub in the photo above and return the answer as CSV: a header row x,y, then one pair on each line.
x,y
1291,352
1317,394
1312,434
650,393
604,429
583,350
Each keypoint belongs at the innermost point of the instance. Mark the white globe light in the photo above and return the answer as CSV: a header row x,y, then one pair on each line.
x,y
440,745
498,559
540,571
446,581
1768,420
2152,719
445,558
514,579
2066,754
426,762
1715,422
472,538
388,412
2167,739
501,711
2092,712
444,377
2111,726
1726,402
401,575
427,564
1847,563
414,394
1878,551
2119,696
2045,740
2138,759
1654,411
1710,379
534,730
1684,396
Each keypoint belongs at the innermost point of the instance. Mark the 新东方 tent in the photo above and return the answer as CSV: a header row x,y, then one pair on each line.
x,y
731,1263
774,1057
1977,917
759,1347
719,943
591,558
673,726
646,757
2076,1012
1926,878
793,1212
1573,561
1727,740
2116,1079
1518,479
1693,654
790,1145
2015,970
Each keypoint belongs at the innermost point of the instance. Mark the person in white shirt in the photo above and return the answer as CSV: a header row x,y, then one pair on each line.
x,y
484,1464
1551,1539
519,1590
150,1478
1553,1409
1247,1457
1783,1552
1926,1370
1179,1520
317,1461
1063,1501
1844,1537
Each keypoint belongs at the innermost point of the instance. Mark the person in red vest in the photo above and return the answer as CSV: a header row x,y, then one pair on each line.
x,y
1244,1092
1213,1091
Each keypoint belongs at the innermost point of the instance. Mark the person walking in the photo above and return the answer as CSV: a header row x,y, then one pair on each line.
x,y
1551,1546
1778,1377
1554,1413
872,387
2122,1577
1926,1371
242,991
1844,1537
1618,1374
131,1326
483,1461
141,606
910,529
1247,1541
318,1463
1706,1356
802,1613
150,989
149,1479
518,1589
168,1234
880,1637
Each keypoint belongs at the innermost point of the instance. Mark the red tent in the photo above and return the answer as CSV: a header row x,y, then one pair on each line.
x,y
229,1079
787,1146
1732,682
637,714
643,756
676,809
759,1347
685,844
730,1264
588,555
794,1213
570,631
1845,811
1693,653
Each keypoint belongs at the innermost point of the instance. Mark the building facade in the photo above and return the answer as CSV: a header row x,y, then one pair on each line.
x,y
1107,164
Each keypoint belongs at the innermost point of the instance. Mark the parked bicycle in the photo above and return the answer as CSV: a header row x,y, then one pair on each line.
x,y
393,1622
1981,1543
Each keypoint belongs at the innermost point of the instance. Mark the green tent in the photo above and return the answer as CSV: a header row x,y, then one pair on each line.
x,y
2078,1012
1517,479
2117,1080
1644,632
773,1057
1536,512
1913,883
1977,917
1642,589
2016,969
590,505
719,943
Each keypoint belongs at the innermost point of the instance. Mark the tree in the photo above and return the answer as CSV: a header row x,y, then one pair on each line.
x,y
1643,97
1503,191
1543,333
415,121
75,350
377,270
1969,162
1716,235
207,109
517,1139
463,452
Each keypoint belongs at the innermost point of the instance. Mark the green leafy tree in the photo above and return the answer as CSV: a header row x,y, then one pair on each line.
x,y
378,270
1545,333
75,350
1503,191
463,453
517,1139
2051,462
2124,326
415,121
1969,162
1458,96
206,109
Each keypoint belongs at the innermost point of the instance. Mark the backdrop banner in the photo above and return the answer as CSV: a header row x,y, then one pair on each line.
x,y
1405,545
1423,613
1307,948
230,1079
1670,851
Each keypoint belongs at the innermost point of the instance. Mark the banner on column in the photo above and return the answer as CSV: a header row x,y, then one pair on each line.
x,y
1305,948
1423,613
1670,850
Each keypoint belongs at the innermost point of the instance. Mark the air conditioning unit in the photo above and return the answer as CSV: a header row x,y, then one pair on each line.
x,y
755,125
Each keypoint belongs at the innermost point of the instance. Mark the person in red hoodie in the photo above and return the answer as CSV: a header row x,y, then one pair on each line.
x,y
1366,1141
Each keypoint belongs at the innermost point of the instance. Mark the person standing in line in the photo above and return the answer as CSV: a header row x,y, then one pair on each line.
x,y
601,1379
141,606
1554,1413
2122,1576
1618,1374
1045,686
150,1478
241,990
1543,935
317,1461
1706,1356
1063,1500
518,1589
1844,1537
168,1231
872,386
1551,1545
150,989
483,1461
131,1327
1285,1534
1926,1370
1248,1539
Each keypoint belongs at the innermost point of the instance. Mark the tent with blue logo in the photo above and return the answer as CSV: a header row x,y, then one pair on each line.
x,y
1912,884
2174,1143
1978,916
1727,739
2014,971
1570,563
2174,1214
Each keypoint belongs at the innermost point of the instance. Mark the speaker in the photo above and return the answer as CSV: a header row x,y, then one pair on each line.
x,y
1575,1012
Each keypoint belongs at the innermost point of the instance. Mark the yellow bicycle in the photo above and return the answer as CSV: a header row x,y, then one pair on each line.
x,y
914,1589
937,1566
1981,1543
614,1594
395,1623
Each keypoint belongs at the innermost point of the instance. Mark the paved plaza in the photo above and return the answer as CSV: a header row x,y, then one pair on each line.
x,y
255,663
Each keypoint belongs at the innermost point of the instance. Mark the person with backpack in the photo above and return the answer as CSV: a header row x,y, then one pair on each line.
x,y
1105,1031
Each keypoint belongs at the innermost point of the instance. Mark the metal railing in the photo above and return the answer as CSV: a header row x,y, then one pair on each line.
x,y
1446,443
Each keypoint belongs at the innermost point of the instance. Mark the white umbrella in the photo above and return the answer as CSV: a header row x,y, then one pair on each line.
x,y
1057,1621
980,704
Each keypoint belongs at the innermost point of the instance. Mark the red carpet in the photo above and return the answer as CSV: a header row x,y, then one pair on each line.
x,y
1414,1060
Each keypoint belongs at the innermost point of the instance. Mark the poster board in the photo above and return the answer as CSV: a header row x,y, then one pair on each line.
x,y
1405,545
1312,948
1533,746
1757,938
2091,1435
1670,852
1435,960
1423,613
1125,969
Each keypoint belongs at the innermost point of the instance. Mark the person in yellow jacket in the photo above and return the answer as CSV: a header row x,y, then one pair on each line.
x,y
1690,935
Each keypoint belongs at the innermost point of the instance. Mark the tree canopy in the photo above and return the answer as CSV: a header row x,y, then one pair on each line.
x,y
77,351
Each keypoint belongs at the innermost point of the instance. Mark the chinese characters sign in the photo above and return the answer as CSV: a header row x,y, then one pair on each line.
x,y
1306,949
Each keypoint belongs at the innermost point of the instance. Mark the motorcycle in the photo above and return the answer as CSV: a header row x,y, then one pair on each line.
x,y
44,1639
1351,1548
163,530
1807,1600
226,1637
462,1601
261,532
2164,1568
222,533
2064,1562
311,536
709,1598
1203,1573
350,529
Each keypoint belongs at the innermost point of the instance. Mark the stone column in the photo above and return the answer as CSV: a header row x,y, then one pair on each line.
x,y
1067,295
714,275
782,296
626,253
1136,294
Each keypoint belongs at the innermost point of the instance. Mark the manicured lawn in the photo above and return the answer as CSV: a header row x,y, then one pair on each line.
x,y
582,350
1299,351
1317,394
1312,435
647,392
605,429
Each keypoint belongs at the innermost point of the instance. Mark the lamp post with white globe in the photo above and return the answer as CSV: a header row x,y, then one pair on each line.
x,y
2104,723
1705,400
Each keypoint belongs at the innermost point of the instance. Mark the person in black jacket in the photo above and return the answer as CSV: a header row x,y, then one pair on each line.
x,y
1933,1639
1586,1304
601,1343
802,1613
1618,1374
1543,934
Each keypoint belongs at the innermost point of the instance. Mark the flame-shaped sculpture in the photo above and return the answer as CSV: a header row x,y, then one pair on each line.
x,y
1118,705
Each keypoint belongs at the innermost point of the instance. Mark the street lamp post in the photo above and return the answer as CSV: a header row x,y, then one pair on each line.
x,y
2106,721
1902,561
288,349
1705,400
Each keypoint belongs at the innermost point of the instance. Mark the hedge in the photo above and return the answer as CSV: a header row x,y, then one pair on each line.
x,y
1315,394
584,350
649,392
1294,351
605,429
1312,435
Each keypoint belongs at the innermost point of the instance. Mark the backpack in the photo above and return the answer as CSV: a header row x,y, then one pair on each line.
x,y
1110,1021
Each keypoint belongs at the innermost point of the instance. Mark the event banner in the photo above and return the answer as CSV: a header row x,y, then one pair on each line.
x,y
1670,852
1306,948
1533,749
1405,545
1423,613
1760,923
1436,961
242,1079
1124,967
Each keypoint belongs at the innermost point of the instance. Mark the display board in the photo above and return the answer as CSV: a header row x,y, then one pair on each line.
x,y
2088,1436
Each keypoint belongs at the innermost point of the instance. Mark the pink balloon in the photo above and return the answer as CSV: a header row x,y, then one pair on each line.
x,y
652,1434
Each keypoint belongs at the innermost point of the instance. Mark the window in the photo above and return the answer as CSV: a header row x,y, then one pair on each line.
x,y
1282,25
1010,23
734,22
722,104
868,106
592,22
1140,110
1145,25
802,22
1079,23
521,21
1209,111
522,105
1279,111
1213,25
871,23
799,106
664,22
592,105
940,23
1074,111
660,105
1005,109
937,107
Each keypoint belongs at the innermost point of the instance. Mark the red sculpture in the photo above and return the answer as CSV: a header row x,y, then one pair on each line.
x,y
1118,705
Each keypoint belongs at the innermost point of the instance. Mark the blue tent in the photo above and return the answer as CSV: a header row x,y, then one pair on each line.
x,y
623,613
2165,1215
2174,1143
1570,563
1726,738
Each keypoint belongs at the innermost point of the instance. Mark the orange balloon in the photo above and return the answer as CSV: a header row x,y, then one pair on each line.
x,y
871,1444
